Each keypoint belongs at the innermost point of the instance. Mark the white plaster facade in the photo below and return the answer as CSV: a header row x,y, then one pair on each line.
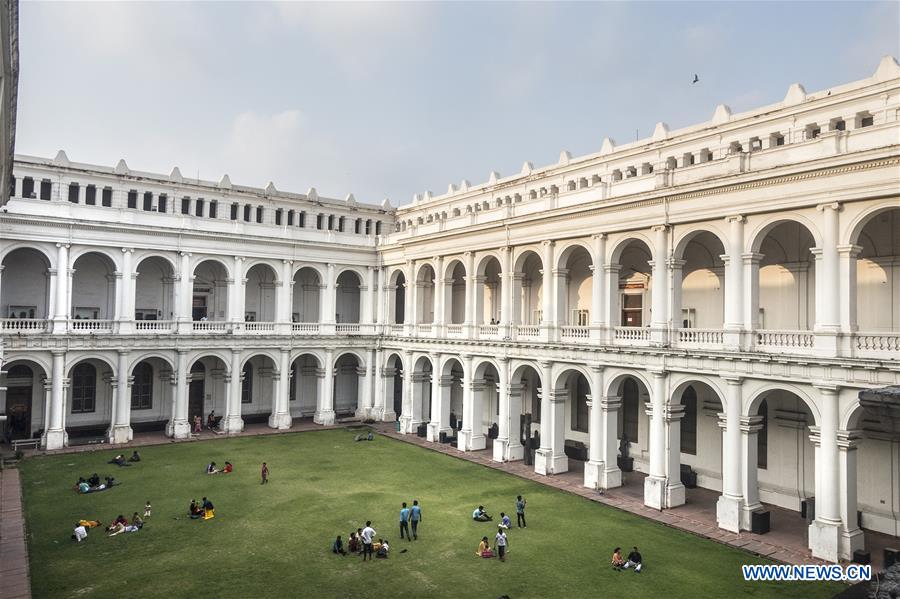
x,y
718,294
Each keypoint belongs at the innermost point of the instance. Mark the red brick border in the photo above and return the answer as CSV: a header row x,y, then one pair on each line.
x,y
13,549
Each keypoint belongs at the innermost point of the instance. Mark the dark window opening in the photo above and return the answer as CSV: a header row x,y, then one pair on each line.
x,y
46,189
689,422
247,213
186,206
74,189
213,208
148,201
28,188
142,387
290,218
247,384
278,213
132,199
90,195
162,203
301,219
259,214
378,227
106,198
762,437
84,388
630,410
234,212
198,207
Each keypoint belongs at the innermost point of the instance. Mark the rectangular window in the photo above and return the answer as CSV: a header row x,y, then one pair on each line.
x,y
762,438
148,201
90,195
132,199
301,219
162,203
278,214
46,189
84,388
866,120
689,422
213,208
198,207
320,218
259,214
74,189
186,206
290,218
106,198
247,211
234,212
378,227
28,188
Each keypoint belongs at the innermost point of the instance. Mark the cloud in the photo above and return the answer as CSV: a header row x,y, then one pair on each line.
x,y
259,143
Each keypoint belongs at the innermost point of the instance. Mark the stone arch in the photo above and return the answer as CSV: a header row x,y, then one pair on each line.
x,y
565,250
615,378
484,259
755,398
46,366
758,235
858,223
692,233
317,268
356,353
30,297
300,352
198,355
148,355
199,260
355,270
523,255
112,258
46,253
678,384
273,356
627,239
144,255
450,267
251,263
73,362
564,370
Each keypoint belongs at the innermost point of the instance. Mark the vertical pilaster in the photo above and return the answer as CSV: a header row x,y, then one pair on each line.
x,y
501,443
506,291
438,297
659,291
828,282
548,316
593,469
280,418
599,316
611,476
183,311
120,427
750,427
675,492
180,428
232,422
325,401
751,262
655,483
378,373
465,433
61,293
728,507
126,301
734,283
56,437
434,424
469,322
852,538
824,532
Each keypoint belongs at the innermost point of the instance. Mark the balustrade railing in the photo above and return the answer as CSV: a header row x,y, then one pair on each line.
x,y
305,328
259,328
91,325
488,330
23,325
154,326
528,331
707,337
347,329
211,326
631,334
397,329
454,330
784,340
574,333
872,344
424,329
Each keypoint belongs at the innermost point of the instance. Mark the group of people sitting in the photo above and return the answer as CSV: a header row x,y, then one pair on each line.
x,y
361,437
93,484
120,460
357,544
205,509
121,524
633,561
211,468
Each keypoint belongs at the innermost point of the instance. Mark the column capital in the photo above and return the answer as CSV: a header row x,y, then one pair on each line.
x,y
545,364
63,245
736,218
836,206
751,424
597,236
235,352
504,249
58,352
659,228
658,373
502,359
732,379
548,243
288,262
849,249
181,352
752,257
827,388
127,250
185,254
122,351
848,440
238,258
598,368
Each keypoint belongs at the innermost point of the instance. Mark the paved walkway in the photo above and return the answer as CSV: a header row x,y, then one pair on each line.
x,y
14,581
785,543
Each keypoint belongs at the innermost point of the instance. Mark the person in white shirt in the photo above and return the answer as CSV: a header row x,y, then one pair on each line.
x,y
368,534
501,543
80,533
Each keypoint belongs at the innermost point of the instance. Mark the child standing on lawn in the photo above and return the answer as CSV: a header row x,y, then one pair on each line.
x,y
264,473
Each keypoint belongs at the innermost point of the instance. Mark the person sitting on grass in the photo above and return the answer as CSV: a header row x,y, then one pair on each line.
x,y
135,457
505,522
359,539
228,468
484,548
617,561
110,481
479,515
211,468
353,544
119,460
83,486
634,560
79,533
382,551
94,480
147,509
338,546
194,511
137,520
209,510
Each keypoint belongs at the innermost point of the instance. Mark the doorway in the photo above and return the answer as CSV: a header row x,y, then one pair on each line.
x,y
632,309
18,401
198,309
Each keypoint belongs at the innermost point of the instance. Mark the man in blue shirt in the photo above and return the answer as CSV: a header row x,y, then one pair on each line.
x,y
415,516
404,522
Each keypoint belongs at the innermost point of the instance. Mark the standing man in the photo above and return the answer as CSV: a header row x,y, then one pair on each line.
x,y
404,522
264,473
501,543
415,516
368,533
520,512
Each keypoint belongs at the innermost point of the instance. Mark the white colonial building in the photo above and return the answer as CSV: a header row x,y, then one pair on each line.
x,y
713,297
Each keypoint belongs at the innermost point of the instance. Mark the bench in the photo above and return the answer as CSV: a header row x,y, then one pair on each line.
x,y
18,444
576,450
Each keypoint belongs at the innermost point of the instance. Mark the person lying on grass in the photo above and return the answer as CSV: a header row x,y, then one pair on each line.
x,y
484,548
119,520
120,528
119,460
480,515
90,523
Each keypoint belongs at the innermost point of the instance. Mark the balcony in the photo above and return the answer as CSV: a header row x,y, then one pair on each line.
x,y
155,326
784,342
92,327
575,334
700,338
631,336
23,326
211,327
876,345
305,328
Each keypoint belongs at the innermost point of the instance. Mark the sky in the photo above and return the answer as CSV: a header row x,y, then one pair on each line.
x,y
386,100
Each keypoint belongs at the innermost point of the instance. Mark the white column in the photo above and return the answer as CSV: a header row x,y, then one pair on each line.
x,y
728,507
750,427
329,307
598,281
734,283
409,304
852,538
325,401
611,476
659,292
593,469
847,256
185,293
546,458
232,422
61,293
434,424
504,425
378,374
506,291
368,402
180,428
371,295
655,483
379,290
464,436
438,298
468,323
611,293
236,304
286,293
675,492
676,278
828,283
751,262
824,532
127,290
281,415
120,429
515,450
56,437
548,320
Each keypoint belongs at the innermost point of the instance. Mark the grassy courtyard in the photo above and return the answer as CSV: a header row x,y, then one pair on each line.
x,y
274,540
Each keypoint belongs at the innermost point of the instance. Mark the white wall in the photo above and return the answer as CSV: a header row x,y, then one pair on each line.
x,y
94,286
25,282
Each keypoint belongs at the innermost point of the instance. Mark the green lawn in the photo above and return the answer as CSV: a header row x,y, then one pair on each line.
x,y
274,540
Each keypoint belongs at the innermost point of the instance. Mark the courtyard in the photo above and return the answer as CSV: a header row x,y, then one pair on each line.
x,y
275,540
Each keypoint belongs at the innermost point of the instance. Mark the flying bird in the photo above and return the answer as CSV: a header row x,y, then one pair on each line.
x,y
696,78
